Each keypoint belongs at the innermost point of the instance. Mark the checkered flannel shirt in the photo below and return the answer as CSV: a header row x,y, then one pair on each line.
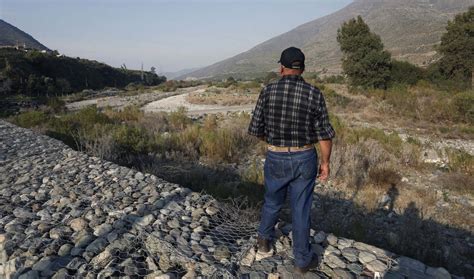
x,y
291,112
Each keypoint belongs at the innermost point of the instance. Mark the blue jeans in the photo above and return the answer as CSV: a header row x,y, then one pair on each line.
x,y
293,173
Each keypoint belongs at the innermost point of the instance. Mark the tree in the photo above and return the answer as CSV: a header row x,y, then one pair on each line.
x,y
63,85
365,62
153,70
271,76
457,48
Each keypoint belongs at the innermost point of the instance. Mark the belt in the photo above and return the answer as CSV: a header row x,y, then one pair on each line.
x,y
290,148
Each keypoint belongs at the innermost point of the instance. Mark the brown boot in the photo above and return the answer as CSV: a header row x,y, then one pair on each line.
x,y
313,264
263,245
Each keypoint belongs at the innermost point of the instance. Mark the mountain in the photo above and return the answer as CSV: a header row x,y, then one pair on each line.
x,y
173,75
11,36
409,29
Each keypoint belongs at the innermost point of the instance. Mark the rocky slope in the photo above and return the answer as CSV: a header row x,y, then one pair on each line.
x,y
11,36
409,30
64,214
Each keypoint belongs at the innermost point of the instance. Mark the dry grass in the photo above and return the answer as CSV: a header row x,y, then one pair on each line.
x,y
459,183
224,97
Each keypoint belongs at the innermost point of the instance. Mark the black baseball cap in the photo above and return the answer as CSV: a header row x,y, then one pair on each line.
x,y
292,58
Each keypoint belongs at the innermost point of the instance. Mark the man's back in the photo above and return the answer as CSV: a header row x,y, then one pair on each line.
x,y
291,112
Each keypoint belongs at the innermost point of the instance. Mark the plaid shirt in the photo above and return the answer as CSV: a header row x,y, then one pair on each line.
x,y
291,112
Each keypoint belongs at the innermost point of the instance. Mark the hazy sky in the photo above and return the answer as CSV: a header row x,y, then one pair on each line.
x,y
170,35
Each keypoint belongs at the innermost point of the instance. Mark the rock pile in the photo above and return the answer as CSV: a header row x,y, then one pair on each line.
x,y
64,214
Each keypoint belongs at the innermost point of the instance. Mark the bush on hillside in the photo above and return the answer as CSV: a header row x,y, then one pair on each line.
x,y
405,73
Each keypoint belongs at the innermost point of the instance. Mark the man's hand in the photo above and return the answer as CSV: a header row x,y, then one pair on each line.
x,y
324,172
326,146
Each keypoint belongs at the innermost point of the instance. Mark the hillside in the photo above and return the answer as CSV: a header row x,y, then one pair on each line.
x,y
409,29
47,74
11,36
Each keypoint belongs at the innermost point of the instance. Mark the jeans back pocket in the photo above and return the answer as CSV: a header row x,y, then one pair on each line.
x,y
275,168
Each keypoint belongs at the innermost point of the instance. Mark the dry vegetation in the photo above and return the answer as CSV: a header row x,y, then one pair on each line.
x,y
377,175
230,96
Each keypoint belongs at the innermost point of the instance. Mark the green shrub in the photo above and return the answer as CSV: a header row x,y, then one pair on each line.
x,y
222,145
179,119
132,139
56,105
335,99
391,142
30,119
88,116
127,114
460,161
340,79
405,73
464,106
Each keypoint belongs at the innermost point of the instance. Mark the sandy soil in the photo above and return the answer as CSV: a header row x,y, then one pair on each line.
x,y
174,102
119,102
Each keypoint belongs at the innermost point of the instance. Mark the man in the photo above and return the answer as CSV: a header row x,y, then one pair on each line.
x,y
291,116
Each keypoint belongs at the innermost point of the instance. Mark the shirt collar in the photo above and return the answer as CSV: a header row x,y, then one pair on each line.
x,y
292,77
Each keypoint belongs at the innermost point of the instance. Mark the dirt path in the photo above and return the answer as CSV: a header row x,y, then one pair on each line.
x,y
119,102
174,102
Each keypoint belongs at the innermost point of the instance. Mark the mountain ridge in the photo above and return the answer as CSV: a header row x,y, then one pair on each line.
x,y
409,29
11,36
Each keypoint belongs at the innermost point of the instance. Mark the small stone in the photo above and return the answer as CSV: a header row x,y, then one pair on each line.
x,y
139,176
343,274
438,273
45,264
320,237
32,274
407,266
3,238
211,210
344,243
249,257
23,213
334,261
174,224
257,275
61,274
221,252
366,257
197,237
97,245
102,230
376,266
350,254
76,263
263,255
197,213
207,241
145,220
165,276
102,259
78,224
332,239
65,249
331,250
355,268
83,240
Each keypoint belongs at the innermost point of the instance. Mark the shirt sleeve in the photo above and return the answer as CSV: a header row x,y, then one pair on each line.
x,y
257,124
323,127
